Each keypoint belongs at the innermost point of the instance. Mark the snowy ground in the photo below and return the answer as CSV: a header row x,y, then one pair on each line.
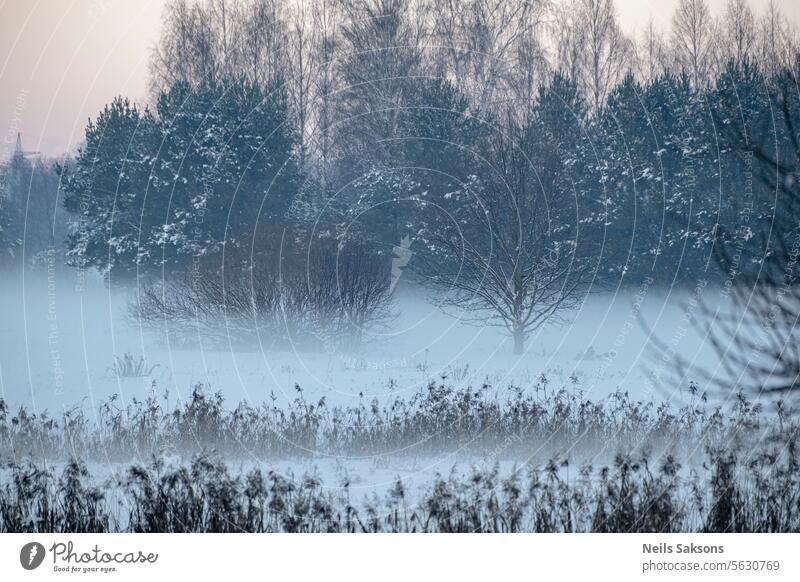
x,y
59,334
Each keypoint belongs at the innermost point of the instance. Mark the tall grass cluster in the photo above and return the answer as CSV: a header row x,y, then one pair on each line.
x,y
514,424
735,491
614,465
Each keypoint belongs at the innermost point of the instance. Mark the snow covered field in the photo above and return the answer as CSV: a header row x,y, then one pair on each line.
x,y
59,336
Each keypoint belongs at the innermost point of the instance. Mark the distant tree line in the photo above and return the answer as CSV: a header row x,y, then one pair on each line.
x,y
528,150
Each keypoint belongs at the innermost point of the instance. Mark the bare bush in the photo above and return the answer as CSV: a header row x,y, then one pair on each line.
x,y
326,297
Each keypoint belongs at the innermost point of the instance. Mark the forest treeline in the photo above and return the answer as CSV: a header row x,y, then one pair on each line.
x,y
524,151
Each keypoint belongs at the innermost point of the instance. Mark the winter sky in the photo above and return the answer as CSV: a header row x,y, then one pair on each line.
x,y
62,60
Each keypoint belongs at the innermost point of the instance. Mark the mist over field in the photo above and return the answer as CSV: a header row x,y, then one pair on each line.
x,y
63,334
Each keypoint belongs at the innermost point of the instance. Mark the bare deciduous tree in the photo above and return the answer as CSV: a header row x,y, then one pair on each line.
x,y
777,42
219,40
652,57
484,44
505,254
187,50
325,19
606,57
568,40
694,41
380,56
591,48
262,42
738,32
301,70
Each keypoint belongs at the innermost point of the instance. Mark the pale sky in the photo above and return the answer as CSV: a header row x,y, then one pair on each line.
x,y
62,60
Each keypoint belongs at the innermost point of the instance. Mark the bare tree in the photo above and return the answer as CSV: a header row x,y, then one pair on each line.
x,y
738,32
261,38
531,71
301,69
506,254
568,41
591,48
218,40
187,50
325,21
481,43
651,54
776,43
359,287
694,41
380,57
222,13
607,50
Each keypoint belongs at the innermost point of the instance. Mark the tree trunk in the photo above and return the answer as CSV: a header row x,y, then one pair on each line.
x,y
519,342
